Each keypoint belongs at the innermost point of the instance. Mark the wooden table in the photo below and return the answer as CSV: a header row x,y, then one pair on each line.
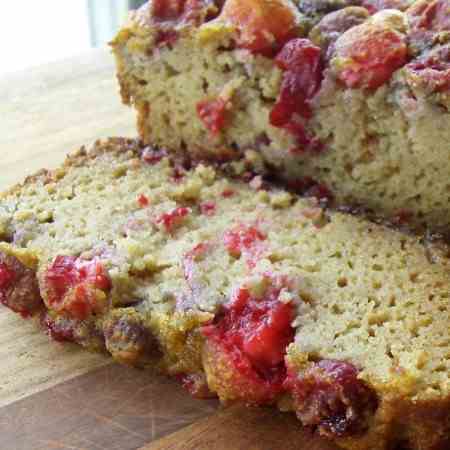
x,y
55,396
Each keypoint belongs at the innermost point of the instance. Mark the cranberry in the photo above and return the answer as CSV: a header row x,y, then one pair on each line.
x,y
301,62
328,395
309,187
374,6
173,219
71,285
7,276
245,240
321,193
153,156
166,37
431,71
226,193
213,114
430,15
208,208
368,55
253,334
175,12
19,290
263,25
143,200
402,217
178,173
305,140
61,328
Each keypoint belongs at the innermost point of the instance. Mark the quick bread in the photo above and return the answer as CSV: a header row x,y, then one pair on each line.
x,y
353,94
237,288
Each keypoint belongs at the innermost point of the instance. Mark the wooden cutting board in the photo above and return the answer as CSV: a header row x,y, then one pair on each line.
x,y
55,396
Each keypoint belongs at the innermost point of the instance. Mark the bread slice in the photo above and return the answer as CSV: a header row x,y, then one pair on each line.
x,y
238,289
318,90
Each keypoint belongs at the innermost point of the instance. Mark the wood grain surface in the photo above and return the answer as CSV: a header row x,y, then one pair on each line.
x,y
241,428
55,396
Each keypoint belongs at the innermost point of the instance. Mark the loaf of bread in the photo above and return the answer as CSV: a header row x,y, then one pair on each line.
x,y
350,94
238,289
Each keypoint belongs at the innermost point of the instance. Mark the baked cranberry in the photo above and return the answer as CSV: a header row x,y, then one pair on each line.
x,y
305,140
178,173
329,396
367,55
153,156
308,187
430,15
175,12
252,334
19,290
402,217
213,114
226,193
7,276
60,328
166,37
263,25
208,208
321,192
196,385
76,287
173,219
143,200
245,240
301,62
431,71
374,6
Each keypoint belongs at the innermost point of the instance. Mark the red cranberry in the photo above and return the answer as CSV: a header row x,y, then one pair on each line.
x,y
7,276
213,114
71,285
263,26
175,12
226,193
245,240
372,55
309,187
301,62
402,217
329,396
60,328
166,37
430,15
19,290
208,208
153,156
253,335
143,200
432,71
173,219
374,6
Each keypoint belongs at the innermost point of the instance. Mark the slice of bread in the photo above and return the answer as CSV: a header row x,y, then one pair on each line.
x,y
237,288
317,90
